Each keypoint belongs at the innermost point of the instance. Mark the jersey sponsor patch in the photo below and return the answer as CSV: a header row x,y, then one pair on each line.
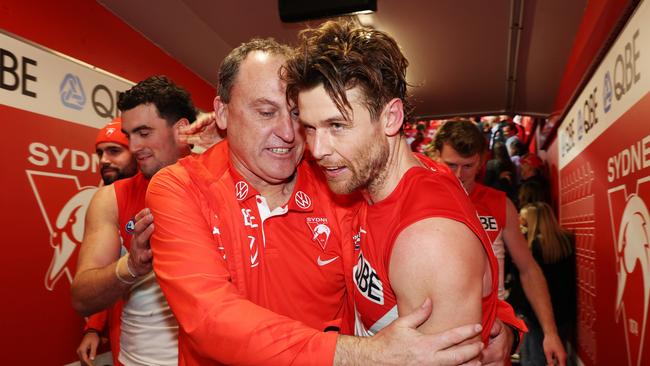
x,y
302,200
130,226
489,223
367,281
320,231
241,190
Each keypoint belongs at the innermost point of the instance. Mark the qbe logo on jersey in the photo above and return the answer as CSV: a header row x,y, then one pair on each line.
x,y
64,218
630,219
367,281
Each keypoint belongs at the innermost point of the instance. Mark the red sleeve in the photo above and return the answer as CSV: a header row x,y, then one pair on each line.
x,y
96,321
218,323
507,315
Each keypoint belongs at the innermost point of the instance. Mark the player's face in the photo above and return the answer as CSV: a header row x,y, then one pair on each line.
x,y
264,135
151,139
115,161
465,168
352,154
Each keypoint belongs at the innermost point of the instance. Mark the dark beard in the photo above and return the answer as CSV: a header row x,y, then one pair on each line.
x,y
372,173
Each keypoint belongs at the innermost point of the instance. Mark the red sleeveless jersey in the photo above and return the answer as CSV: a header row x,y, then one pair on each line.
x,y
491,207
422,193
129,194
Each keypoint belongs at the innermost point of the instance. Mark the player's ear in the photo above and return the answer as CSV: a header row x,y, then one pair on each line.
x,y
221,113
392,117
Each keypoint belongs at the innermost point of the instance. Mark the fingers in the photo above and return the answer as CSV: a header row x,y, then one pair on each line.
x,y
466,355
417,317
142,213
497,327
83,352
93,349
457,335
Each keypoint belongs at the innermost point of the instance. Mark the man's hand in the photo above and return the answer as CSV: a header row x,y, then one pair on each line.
x,y
554,350
140,255
203,133
88,348
498,348
401,344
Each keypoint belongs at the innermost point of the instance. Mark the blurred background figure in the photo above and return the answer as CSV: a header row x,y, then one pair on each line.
x,y
501,172
554,250
115,159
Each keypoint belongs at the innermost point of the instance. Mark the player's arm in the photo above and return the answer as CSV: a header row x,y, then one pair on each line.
x,y
441,259
96,286
534,284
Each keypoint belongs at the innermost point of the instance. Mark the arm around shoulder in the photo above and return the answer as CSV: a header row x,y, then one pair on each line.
x,y
219,322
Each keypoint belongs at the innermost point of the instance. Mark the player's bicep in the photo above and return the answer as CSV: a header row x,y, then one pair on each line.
x,y
441,259
101,243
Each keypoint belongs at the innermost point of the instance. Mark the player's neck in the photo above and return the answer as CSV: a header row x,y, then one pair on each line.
x,y
400,160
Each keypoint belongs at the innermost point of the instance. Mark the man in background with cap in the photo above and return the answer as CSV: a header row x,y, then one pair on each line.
x,y
115,162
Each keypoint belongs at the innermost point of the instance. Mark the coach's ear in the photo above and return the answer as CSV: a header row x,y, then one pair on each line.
x,y
221,113
392,117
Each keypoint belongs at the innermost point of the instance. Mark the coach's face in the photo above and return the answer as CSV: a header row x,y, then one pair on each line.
x,y
263,133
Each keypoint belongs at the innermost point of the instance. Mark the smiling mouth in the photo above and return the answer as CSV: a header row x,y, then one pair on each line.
x,y
332,171
280,150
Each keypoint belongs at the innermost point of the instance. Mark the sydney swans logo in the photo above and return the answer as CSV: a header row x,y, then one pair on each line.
x,y
64,220
630,221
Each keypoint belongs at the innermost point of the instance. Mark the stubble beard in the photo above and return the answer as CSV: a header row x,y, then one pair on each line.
x,y
369,172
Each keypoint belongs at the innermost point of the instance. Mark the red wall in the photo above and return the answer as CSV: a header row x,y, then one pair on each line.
x,y
38,324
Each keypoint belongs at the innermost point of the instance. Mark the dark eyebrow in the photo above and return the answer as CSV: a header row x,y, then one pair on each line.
x,y
140,128
260,101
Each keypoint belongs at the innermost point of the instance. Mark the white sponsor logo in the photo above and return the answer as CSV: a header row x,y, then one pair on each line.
x,y
489,223
110,131
325,262
367,281
302,200
241,190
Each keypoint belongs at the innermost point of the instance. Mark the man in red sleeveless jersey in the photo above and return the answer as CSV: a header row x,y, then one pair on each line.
x,y
115,162
461,146
349,85
113,265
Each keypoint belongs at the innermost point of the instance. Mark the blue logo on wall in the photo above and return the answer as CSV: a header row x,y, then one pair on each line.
x,y
72,92
607,92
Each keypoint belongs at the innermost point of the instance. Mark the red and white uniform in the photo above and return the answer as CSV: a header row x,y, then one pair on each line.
x,y
490,204
141,344
223,257
421,193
